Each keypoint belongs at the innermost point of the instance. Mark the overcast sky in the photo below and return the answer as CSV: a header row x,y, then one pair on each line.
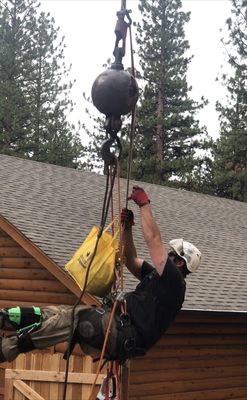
x,y
88,26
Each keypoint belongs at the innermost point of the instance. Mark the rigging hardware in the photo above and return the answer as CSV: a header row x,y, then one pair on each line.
x,y
115,91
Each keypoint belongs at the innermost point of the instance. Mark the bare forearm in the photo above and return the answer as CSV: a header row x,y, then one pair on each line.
x,y
133,263
149,227
152,237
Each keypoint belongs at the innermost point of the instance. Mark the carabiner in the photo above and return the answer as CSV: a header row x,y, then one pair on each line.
x,y
109,382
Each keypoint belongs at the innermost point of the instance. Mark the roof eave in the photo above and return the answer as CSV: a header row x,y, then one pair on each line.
x,y
215,313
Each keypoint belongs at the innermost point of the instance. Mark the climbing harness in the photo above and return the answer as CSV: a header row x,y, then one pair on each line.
x,y
114,93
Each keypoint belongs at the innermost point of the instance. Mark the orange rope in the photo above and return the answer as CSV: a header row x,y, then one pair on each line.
x,y
112,204
119,274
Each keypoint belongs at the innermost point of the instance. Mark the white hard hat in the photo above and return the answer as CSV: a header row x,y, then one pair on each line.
x,y
186,250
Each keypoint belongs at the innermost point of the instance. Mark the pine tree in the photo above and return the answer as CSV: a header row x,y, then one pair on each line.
x,y
97,135
168,135
230,166
38,87
15,65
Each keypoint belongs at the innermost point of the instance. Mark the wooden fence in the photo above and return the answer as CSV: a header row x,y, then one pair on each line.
x,y
38,376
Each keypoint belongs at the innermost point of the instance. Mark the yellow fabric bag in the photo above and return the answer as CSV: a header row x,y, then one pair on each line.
x,y
101,274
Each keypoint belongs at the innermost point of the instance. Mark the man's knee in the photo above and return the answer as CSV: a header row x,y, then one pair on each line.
x,y
90,327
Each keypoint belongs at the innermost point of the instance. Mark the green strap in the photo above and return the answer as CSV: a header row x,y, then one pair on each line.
x,y
14,315
37,310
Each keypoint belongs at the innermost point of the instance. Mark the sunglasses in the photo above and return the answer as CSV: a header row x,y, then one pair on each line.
x,y
175,255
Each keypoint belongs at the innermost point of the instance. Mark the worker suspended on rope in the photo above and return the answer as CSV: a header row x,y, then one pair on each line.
x,y
141,316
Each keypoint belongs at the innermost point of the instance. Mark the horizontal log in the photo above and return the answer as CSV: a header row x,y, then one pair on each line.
x,y
26,273
37,297
194,384
13,252
15,262
8,303
7,242
198,340
50,265
201,351
36,285
3,233
187,374
220,394
140,365
62,347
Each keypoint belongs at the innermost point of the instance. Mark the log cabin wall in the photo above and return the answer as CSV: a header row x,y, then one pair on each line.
x,y
199,358
24,281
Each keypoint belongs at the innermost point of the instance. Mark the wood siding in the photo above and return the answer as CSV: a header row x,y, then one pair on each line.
x,y
199,358
23,280
203,356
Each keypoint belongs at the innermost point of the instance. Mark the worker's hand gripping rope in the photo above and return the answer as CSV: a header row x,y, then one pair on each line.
x,y
127,218
139,196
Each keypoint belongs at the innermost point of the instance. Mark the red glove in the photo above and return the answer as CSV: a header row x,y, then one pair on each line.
x,y
127,218
139,196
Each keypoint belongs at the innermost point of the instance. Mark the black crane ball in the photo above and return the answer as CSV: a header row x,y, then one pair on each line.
x,y
115,92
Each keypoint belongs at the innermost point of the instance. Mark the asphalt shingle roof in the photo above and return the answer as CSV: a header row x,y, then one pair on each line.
x,y
56,207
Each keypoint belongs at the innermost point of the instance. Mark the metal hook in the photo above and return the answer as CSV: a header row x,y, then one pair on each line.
x,y
108,156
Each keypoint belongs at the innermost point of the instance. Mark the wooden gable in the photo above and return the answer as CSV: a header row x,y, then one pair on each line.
x,y
31,276
23,280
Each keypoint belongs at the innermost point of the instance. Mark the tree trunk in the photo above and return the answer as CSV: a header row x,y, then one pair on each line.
x,y
245,181
159,129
